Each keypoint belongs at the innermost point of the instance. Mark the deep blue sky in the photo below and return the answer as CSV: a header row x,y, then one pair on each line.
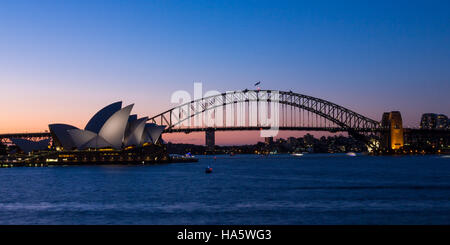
x,y
58,58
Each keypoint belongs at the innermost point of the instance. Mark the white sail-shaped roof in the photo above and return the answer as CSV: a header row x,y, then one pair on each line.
x,y
100,118
135,131
59,131
80,137
96,142
113,130
152,132
110,127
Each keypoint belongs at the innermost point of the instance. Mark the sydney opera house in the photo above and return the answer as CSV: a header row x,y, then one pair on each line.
x,y
111,127
112,134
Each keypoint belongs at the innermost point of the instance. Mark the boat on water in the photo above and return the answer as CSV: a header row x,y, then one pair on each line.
x,y
208,170
297,154
351,154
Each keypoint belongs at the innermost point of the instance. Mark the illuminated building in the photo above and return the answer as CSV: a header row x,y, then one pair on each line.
x,y
441,121
434,121
111,136
393,137
110,128
428,121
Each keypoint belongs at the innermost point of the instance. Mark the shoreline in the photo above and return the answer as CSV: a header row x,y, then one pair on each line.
x,y
98,163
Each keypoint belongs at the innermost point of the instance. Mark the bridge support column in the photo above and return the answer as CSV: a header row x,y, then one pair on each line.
x,y
210,139
393,138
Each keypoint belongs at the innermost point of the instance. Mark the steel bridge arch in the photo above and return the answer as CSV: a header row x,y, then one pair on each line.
x,y
347,119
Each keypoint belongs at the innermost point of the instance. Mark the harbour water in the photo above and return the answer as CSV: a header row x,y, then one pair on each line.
x,y
242,189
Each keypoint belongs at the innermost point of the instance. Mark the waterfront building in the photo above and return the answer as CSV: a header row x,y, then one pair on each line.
x,y
110,128
428,121
441,121
434,121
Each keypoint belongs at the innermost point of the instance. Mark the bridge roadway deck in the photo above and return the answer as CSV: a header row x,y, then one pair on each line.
x,y
199,129
25,135
445,132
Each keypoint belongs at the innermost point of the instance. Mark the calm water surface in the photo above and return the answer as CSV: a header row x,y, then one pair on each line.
x,y
243,189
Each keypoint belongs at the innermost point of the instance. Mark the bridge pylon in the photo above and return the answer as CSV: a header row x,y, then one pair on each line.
x,y
210,139
392,138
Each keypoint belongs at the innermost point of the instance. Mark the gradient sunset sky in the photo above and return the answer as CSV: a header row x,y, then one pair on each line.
x,y
61,61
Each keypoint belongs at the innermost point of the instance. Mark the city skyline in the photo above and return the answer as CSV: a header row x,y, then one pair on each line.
x,y
60,58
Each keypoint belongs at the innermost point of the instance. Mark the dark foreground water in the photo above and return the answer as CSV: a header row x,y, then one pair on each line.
x,y
244,189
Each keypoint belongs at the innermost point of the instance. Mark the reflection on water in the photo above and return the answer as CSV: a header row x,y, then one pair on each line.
x,y
243,189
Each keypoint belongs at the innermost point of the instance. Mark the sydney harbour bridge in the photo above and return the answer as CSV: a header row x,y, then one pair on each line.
x,y
267,111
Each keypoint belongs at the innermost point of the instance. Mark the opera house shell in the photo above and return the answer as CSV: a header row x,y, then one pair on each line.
x,y
111,127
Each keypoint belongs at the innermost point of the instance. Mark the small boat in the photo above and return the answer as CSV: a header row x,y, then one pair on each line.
x,y
351,154
208,170
297,154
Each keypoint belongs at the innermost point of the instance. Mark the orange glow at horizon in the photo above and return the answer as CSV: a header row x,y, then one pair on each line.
x,y
238,137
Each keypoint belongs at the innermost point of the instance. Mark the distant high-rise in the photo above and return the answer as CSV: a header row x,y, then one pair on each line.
x,y
434,121
428,121
441,121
